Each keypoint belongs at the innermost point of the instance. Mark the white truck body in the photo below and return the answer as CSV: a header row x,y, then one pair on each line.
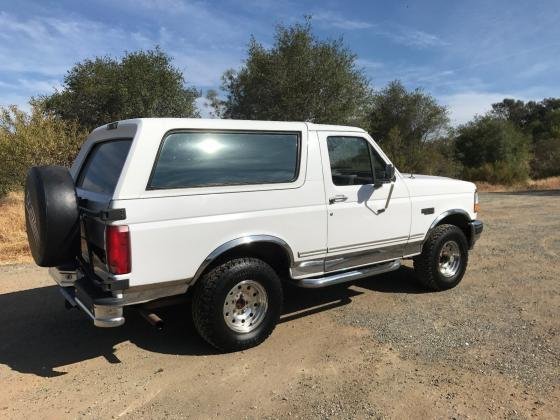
x,y
173,231
325,231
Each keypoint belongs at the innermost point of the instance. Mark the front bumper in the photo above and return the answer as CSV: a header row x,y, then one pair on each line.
x,y
104,309
476,227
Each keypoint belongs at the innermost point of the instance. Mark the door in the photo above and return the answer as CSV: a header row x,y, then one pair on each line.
x,y
368,214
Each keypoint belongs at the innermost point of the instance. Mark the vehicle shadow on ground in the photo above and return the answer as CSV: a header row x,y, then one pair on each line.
x,y
39,335
402,280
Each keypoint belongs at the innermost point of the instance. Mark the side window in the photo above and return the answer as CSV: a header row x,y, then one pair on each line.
x,y
379,166
203,159
350,160
103,166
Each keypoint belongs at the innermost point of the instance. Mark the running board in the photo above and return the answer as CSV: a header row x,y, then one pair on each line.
x,y
316,282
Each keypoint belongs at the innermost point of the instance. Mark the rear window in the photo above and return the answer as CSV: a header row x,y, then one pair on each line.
x,y
103,166
198,159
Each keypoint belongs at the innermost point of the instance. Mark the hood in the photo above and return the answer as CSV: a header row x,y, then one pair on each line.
x,y
419,185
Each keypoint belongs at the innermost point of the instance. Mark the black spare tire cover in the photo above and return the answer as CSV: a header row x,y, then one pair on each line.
x,y
51,215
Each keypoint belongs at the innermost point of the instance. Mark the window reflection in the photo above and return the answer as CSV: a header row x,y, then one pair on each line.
x,y
195,159
210,146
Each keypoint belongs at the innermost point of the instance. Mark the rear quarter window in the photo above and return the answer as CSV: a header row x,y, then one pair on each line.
x,y
200,159
103,166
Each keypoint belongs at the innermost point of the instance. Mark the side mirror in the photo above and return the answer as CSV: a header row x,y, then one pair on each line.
x,y
390,172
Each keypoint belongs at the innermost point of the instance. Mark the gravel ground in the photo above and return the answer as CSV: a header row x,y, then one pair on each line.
x,y
380,348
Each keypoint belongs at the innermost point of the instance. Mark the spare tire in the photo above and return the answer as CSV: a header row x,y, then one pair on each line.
x,y
51,215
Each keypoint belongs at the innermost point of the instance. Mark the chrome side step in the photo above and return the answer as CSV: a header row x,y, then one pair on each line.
x,y
316,282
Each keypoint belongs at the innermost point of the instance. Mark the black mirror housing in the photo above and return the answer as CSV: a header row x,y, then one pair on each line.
x,y
390,171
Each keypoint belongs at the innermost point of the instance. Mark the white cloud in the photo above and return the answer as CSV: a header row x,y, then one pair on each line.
x,y
203,107
49,46
463,106
397,33
41,49
336,20
369,64
203,67
21,101
413,37
535,69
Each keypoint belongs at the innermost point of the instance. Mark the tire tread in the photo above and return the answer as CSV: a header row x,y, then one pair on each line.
x,y
423,262
204,304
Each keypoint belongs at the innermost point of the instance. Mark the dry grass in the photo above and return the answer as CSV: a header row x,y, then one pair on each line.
x,y
552,183
13,239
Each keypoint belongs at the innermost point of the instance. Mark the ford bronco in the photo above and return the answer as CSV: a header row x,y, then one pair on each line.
x,y
230,211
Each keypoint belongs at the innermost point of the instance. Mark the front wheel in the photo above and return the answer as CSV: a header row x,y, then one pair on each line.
x,y
444,257
237,304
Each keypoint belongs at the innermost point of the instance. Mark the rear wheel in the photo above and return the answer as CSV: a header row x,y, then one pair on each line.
x,y
444,258
237,304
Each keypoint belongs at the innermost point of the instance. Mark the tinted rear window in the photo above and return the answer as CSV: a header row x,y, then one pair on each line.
x,y
196,159
103,166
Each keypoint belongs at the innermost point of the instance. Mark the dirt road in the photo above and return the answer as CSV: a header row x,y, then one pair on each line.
x,y
381,348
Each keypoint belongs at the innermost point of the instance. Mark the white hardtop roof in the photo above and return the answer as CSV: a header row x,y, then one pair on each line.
x,y
224,124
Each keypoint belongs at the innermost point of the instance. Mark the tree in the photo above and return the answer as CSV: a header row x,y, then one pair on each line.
x,y
104,89
493,150
300,78
37,138
513,110
405,123
541,122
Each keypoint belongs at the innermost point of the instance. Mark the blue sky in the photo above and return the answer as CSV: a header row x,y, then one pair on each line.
x,y
468,54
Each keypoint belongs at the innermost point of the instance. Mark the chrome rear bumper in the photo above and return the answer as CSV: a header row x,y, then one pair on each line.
x,y
104,309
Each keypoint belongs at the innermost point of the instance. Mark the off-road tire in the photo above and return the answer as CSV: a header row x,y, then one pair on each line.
x,y
426,264
51,215
209,297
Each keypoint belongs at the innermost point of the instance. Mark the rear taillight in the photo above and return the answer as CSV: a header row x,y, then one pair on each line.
x,y
117,241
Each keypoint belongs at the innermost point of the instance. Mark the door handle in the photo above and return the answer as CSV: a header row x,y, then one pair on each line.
x,y
338,199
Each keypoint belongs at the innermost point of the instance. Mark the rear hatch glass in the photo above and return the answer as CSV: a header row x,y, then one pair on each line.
x,y
99,175
103,166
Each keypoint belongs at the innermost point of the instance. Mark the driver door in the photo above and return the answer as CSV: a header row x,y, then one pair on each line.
x,y
368,214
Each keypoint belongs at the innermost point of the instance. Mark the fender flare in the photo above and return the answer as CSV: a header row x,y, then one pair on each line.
x,y
442,216
244,240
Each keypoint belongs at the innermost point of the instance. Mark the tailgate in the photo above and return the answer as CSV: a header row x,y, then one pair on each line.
x,y
95,185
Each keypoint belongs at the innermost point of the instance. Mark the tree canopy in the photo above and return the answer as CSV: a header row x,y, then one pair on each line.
x,y
540,121
141,84
35,138
404,123
300,78
493,149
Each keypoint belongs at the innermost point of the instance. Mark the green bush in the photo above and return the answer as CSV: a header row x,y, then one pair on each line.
x,y
497,173
546,162
36,138
494,150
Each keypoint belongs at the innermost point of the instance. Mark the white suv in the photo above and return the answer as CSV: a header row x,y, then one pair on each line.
x,y
153,208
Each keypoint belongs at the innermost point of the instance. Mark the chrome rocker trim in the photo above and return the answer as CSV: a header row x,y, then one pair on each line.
x,y
329,280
